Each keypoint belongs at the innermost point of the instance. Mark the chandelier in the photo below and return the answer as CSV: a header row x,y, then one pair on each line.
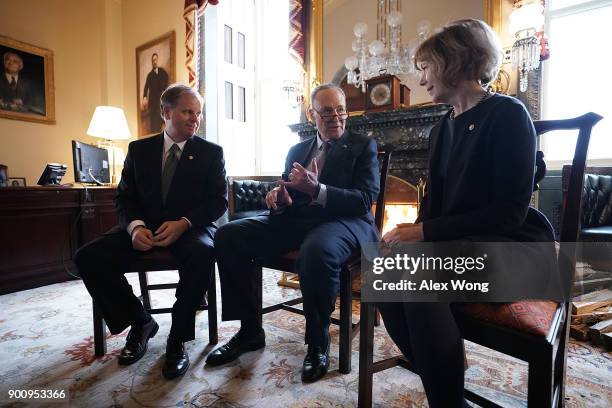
x,y
524,23
386,54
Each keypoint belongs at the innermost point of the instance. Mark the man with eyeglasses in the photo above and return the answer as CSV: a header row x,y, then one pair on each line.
x,y
322,207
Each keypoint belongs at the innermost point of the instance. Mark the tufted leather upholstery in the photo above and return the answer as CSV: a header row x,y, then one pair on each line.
x,y
247,195
597,201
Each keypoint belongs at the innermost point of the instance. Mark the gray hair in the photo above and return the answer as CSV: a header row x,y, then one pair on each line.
x,y
323,87
170,97
464,49
7,54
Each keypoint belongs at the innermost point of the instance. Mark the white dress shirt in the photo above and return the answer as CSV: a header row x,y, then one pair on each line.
x,y
168,142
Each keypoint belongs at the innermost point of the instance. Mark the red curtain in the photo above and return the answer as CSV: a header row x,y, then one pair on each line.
x,y
190,14
297,30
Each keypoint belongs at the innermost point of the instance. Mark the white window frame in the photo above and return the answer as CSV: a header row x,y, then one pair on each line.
x,y
545,67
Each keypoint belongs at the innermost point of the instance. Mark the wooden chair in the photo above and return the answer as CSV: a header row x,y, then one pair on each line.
x,y
494,325
151,261
350,270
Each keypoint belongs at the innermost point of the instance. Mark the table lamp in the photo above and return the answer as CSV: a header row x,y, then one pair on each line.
x,y
109,123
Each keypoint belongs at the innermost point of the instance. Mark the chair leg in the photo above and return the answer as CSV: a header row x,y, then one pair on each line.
x,y
366,355
561,365
144,290
99,332
259,292
346,321
540,381
213,332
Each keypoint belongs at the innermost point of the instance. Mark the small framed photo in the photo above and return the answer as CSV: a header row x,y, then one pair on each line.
x,y
16,182
155,62
27,91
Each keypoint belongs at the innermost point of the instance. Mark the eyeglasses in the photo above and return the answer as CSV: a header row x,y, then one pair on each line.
x,y
329,113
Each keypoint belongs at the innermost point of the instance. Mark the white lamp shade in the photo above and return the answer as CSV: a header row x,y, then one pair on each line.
x,y
108,122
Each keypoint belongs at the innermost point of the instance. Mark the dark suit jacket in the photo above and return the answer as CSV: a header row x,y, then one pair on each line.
x,y
155,85
198,190
489,179
352,177
24,91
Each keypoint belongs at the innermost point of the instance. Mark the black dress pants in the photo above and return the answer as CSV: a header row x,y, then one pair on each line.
x,y
429,338
324,245
103,262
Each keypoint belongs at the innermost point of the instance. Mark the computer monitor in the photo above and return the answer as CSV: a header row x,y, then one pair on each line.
x,y
52,174
90,163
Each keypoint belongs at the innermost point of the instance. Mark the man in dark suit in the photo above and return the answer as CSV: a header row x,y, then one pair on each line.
x,y
321,207
171,192
156,82
17,92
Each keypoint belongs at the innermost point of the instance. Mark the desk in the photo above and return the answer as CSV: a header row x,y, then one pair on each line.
x,y
42,227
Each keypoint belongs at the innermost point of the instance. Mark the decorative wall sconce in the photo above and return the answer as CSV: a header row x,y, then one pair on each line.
x,y
525,21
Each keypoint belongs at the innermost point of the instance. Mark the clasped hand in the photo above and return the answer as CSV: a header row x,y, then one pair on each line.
x,y
144,239
404,233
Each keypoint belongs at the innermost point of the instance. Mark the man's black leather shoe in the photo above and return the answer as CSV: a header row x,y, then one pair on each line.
x,y
235,347
316,363
177,360
136,343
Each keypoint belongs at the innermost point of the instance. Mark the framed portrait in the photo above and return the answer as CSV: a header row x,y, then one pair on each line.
x,y
27,91
16,182
155,62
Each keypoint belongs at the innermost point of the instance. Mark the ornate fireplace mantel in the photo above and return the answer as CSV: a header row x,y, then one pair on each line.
x,y
405,130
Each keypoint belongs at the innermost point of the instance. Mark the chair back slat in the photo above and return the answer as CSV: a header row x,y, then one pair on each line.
x,y
571,211
570,215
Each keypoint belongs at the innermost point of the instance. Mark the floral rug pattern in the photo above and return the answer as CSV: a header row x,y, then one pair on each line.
x,y
46,342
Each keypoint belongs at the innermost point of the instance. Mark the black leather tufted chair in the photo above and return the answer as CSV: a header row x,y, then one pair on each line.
x,y
247,195
597,206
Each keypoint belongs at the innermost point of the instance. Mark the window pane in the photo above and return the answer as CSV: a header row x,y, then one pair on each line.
x,y
228,44
275,66
241,50
229,100
576,79
241,104
557,4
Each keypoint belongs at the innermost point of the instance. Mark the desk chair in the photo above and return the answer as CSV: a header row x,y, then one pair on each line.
x,y
151,261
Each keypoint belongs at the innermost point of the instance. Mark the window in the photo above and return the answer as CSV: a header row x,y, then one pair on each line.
x,y
241,104
575,78
229,100
241,51
247,111
228,44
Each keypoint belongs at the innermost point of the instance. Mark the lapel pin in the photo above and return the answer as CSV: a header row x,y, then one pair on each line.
x,y
345,146
190,157
471,127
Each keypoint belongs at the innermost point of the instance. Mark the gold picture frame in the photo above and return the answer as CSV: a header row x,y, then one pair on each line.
x,y
27,90
151,82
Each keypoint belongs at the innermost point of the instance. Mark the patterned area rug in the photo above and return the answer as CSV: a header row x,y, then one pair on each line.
x,y
46,343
